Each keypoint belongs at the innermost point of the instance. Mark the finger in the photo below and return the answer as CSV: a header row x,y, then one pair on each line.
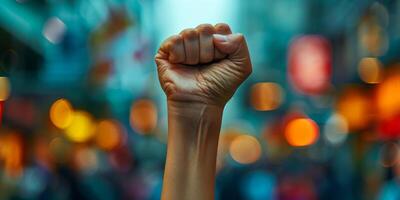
x,y
176,50
163,51
163,56
206,32
235,46
191,44
228,44
222,29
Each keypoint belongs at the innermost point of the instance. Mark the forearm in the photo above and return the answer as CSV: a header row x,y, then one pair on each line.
x,y
193,132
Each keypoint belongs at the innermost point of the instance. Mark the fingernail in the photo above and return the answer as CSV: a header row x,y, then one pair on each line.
x,y
220,38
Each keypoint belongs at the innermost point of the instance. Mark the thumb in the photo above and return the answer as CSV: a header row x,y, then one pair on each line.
x,y
233,44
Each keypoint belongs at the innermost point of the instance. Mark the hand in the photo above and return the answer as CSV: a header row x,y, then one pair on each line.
x,y
203,65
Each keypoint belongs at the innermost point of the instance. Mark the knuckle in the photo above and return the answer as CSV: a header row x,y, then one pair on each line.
x,y
223,27
205,29
189,33
168,40
175,39
166,45
175,42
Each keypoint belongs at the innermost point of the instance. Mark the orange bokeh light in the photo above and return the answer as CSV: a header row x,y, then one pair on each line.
x,y
109,134
355,107
301,132
388,97
11,153
266,96
61,113
370,70
245,149
143,117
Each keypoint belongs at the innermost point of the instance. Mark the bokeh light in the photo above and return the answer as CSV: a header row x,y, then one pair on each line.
x,y
301,132
82,127
370,70
121,159
33,182
390,154
355,106
259,185
143,117
266,96
390,128
11,154
336,129
5,88
388,96
309,63
109,134
84,115
372,35
54,30
298,187
245,149
86,159
61,113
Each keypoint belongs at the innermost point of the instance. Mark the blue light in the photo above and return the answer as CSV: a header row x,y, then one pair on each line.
x,y
258,185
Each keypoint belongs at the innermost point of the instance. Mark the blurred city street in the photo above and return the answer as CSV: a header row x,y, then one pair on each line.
x,y
83,116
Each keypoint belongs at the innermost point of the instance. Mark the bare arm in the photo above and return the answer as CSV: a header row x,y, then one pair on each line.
x,y
192,147
199,72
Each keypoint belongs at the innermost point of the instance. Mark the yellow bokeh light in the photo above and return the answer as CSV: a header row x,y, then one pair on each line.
x,y
61,113
82,127
388,97
143,117
266,96
245,149
370,70
109,134
355,107
4,88
301,132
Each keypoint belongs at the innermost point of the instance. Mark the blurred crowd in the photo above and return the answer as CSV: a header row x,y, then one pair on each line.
x,y
83,116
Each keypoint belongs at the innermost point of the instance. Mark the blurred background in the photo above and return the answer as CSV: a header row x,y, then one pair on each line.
x,y
83,115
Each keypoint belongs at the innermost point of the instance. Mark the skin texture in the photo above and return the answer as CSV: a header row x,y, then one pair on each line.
x,y
199,70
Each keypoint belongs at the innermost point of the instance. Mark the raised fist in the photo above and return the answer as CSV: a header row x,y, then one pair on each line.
x,y
203,65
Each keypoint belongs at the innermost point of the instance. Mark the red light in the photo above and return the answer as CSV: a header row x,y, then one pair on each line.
x,y
390,128
309,64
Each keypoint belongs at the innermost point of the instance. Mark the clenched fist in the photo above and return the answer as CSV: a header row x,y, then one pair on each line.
x,y
203,65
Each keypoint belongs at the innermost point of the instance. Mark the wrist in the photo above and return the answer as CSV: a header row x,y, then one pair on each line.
x,y
191,110
193,129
